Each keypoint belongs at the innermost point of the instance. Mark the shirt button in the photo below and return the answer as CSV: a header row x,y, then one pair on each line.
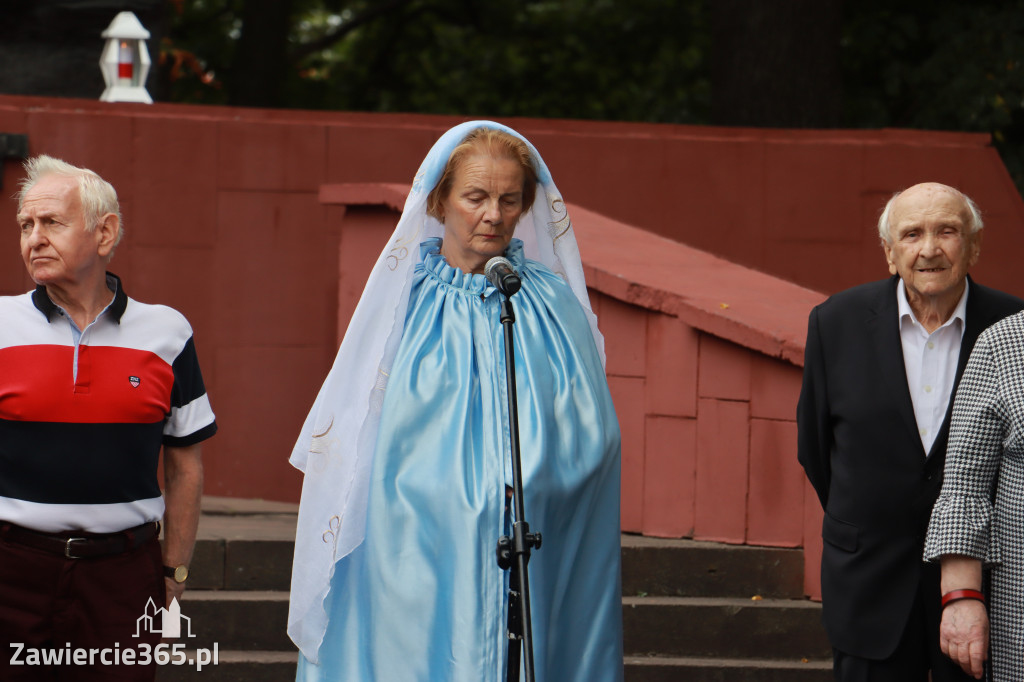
x,y
927,389
924,432
931,345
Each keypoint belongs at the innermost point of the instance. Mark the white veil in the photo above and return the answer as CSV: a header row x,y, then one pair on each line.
x,y
336,445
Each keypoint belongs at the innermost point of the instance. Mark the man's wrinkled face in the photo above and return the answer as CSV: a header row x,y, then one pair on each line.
x,y
931,248
55,245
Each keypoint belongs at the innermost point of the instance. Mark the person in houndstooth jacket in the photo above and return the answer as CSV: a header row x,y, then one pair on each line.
x,y
978,518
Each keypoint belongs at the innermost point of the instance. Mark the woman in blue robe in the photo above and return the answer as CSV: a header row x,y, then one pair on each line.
x,y
414,591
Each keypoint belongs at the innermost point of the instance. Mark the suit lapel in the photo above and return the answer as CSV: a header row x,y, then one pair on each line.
x,y
884,331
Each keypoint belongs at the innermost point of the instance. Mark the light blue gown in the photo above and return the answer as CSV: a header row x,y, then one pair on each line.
x,y
422,598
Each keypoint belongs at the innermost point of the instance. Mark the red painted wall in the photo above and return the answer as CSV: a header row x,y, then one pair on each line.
x,y
224,222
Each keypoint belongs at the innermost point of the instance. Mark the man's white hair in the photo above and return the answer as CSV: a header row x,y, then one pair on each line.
x,y
974,222
97,195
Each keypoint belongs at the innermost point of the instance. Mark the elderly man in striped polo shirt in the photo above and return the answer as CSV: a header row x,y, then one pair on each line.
x,y
93,385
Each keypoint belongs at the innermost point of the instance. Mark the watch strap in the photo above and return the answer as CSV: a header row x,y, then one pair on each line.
x,y
177,573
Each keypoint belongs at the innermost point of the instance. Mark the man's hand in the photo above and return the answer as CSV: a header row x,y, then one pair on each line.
x,y
963,635
174,590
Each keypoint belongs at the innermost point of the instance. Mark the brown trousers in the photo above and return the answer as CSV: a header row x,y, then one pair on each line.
x,y
60,605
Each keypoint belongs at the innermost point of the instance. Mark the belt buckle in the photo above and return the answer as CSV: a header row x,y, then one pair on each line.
x,y
67,548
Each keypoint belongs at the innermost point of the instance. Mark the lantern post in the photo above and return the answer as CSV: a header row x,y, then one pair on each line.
x,y
125,60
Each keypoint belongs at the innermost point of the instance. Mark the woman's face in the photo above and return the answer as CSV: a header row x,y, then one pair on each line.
x,y
481,211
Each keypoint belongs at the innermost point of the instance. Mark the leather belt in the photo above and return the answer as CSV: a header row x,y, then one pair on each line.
x,y
79,544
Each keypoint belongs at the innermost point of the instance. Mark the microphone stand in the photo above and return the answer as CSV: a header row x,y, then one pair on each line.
x,y
514,552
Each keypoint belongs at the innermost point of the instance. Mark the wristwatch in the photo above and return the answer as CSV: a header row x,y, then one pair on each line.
x,y
178,573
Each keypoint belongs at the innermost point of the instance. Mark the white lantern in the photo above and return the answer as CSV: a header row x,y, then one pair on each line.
x,y
125,61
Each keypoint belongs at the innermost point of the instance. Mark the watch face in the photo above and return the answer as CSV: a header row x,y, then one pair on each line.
x,y
180,574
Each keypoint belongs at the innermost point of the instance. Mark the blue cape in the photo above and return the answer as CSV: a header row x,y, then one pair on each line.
x,y
422,598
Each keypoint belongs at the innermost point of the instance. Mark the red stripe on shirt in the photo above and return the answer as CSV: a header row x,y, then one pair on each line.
x,y
115,385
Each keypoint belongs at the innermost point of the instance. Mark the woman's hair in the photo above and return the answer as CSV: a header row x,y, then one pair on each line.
x,y
97,195
499,145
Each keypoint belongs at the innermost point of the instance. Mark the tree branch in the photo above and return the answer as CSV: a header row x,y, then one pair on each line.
x,y
302,51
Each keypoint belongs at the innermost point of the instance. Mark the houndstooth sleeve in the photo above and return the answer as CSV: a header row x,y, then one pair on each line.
x,y
961,521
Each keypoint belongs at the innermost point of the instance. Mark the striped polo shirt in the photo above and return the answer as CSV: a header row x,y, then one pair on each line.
x,y
83,415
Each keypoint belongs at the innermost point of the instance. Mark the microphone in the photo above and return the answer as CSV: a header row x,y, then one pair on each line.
x,y
502,275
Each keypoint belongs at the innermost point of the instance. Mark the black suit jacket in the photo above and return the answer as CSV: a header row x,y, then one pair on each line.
x,y
858,442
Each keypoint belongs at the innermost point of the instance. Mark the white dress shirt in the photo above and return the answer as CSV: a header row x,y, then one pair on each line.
x,y
930,361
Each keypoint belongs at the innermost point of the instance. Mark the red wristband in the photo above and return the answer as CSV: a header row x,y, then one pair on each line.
x,y
957,595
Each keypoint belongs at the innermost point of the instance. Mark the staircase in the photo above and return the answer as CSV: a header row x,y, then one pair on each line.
x,y
237,596
692,611
705,612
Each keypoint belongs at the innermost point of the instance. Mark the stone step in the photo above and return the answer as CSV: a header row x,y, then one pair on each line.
x,y
243,545
235,666
723,628
245,620
657,626
688,568
276,666
665,669
247,545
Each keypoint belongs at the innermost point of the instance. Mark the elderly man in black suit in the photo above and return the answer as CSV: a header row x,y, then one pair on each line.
x,y
881,364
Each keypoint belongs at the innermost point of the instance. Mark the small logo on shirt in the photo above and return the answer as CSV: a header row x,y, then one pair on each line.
x,y
134,381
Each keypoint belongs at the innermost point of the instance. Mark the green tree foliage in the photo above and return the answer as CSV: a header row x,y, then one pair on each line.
x,y
940,64
944,65
594,59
